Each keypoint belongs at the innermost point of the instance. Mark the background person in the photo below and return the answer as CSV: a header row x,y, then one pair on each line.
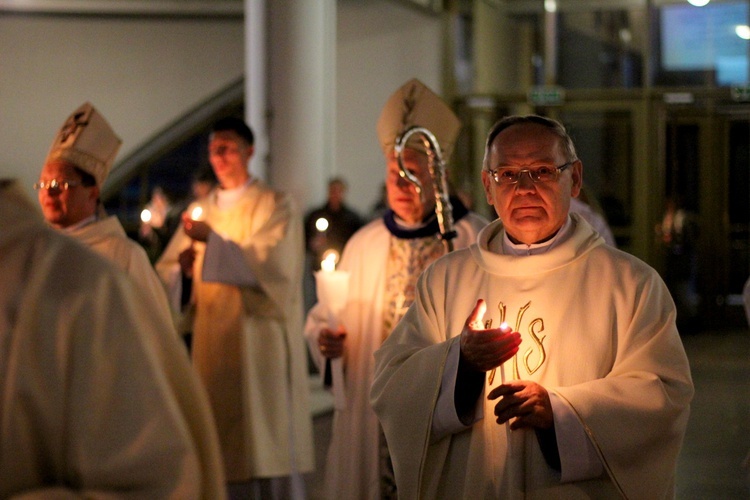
x,y
341,223
327,229
244,260
595,399
384,259
586,210
97,399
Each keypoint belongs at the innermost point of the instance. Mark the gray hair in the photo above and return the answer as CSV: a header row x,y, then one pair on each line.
x,y
554,126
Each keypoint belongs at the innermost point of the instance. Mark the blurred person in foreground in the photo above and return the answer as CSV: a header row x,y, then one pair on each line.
x,y
97,398
69,190
384,259
539,362
242,258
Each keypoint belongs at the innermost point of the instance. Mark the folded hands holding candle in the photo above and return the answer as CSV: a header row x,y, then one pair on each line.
x,y
196,229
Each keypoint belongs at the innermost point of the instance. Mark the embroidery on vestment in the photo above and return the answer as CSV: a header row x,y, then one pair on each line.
x,y
407,258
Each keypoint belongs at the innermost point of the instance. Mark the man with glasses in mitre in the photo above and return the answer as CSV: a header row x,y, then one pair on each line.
x,y
69,188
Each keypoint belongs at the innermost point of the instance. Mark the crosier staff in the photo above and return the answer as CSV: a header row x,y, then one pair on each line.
x,y
443,207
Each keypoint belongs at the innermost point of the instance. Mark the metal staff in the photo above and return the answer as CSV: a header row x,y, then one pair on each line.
x,y
443,207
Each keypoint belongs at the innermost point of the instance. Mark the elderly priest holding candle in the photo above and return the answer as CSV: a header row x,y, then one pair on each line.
x,y
538,362
383,260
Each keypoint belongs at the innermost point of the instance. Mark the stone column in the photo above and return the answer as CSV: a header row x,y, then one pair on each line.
x,y
290,95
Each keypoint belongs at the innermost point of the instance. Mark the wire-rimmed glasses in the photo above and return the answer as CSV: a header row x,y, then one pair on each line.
x,y
56,185
541,173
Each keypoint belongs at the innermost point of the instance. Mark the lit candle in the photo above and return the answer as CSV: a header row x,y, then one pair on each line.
x,y
505,329
146,216
332,287
197,213
321,224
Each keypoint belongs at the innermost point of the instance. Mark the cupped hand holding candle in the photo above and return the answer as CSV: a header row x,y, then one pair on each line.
x,y
484,349
194,225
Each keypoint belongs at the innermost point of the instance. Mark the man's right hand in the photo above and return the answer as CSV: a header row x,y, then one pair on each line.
x,y
186,259
484,349
331,343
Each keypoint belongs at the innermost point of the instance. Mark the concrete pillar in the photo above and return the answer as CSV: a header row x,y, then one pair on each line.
x,y
301,76
256,76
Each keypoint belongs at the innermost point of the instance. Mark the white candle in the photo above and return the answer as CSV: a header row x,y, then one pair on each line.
x,y
333,289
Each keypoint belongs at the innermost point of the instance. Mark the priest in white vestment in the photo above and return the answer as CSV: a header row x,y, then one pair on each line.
x,y
97,400
243,257
69,186
538,362
384,259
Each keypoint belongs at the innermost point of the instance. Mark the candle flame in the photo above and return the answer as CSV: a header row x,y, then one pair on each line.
x,y
321,224
503,325
146,216
328,264
330,258
197,213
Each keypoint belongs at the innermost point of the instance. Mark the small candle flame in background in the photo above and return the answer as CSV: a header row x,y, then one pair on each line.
x,y
321,224
146,216
197,213
503,325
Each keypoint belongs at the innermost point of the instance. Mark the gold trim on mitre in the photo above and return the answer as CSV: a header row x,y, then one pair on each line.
x,y
414,104
87,141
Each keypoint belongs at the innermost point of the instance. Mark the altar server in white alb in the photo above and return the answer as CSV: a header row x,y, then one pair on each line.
x,y
69,190
244,257
584,393
384,259
96,399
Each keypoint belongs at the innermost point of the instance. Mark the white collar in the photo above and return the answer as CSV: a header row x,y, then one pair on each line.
x,y
226,198
510,248
81,223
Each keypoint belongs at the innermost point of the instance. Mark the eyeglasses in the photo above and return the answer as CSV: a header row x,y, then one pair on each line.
x,y
542,173
56,185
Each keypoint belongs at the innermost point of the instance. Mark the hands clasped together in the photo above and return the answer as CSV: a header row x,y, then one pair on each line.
x,y
486,349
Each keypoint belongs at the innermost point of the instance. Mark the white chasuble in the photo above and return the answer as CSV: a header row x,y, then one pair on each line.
x,y
598,331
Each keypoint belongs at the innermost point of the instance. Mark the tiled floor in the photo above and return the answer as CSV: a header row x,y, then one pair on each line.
x,y
718,435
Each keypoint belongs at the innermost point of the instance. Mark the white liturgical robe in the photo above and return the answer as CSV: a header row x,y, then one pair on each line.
x,y
352,461
107,237
598,332
248,346
97,395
